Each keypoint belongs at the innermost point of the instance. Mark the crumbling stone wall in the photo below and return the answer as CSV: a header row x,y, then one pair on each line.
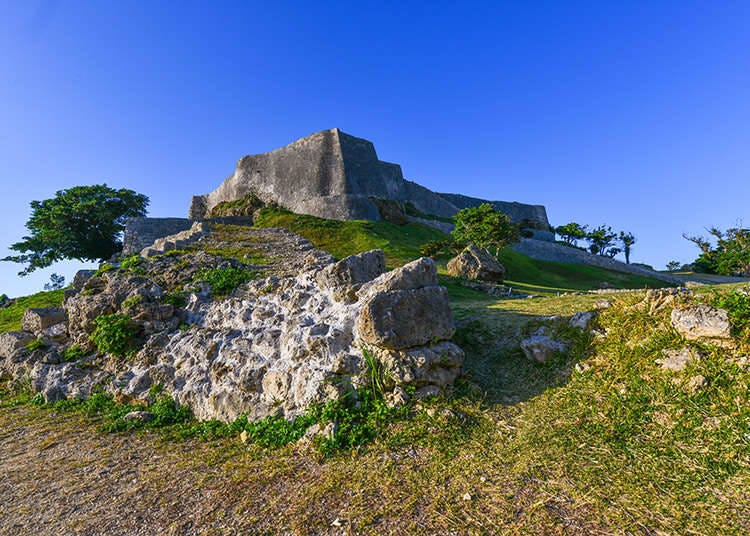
x,y
143,232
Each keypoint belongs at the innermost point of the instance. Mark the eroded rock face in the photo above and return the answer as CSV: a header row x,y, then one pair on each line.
x,y
276,345
473,263
399,319
36,320
12,341
701,322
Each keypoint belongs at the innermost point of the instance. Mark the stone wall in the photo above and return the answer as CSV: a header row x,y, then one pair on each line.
x,y
143,232
548,251
333,175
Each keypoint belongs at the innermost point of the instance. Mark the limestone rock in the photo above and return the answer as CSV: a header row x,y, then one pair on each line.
x,y
696,383
474,263
36,320
333,175
677,360
138,416
12,341
81,277
56,333
348,275
581,320
414,275
701,322
438,365
399,319
542,348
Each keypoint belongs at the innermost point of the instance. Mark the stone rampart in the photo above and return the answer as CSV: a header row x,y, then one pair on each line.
x,y
142,232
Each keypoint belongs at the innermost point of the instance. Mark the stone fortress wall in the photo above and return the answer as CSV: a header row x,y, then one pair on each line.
x,y
331,174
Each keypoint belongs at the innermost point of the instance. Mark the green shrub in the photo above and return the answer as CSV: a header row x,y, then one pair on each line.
x,y
737,305
113,334
132,263
223,281
74,353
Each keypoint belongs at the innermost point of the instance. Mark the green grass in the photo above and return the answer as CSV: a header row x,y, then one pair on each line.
x,y
400,243
536,276
11,316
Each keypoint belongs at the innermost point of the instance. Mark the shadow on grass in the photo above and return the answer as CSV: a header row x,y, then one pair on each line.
x,y
490,335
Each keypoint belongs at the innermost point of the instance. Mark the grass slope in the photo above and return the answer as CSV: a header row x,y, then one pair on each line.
x,y
10,317
401,244
539,276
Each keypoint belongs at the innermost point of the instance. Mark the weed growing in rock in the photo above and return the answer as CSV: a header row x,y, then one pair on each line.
x,y
36,344
74,353
132,264
113,334
176,300
223,281
103,269
131,302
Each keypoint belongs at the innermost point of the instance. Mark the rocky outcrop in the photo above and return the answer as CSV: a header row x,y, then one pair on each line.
x,y
701,322
474,263
276,345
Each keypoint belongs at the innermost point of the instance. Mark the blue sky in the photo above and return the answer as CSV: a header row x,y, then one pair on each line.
x,y
633,114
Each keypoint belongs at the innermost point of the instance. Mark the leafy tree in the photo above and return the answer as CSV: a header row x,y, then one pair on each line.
x,y
673,266
730,255
601,241
572,232
83,222
56,282
627,240
484,226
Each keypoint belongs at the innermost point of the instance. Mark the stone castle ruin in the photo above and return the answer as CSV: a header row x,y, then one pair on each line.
x,y
331,175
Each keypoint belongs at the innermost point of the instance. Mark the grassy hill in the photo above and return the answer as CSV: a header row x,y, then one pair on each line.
x,y
401,244
10,316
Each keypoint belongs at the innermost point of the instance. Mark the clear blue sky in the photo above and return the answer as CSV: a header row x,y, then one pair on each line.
x,y
634,114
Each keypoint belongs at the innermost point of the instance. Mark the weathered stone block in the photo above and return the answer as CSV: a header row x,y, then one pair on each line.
x,y
701,322
474,263
12,341
416,274
399,319
36,320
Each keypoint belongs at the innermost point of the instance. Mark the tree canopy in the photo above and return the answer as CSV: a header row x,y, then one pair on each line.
x,y
484,226
572,232
83,222
730,255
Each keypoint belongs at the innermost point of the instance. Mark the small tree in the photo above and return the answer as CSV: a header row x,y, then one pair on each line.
x,y
486,227
572,232
83,222
601,239
56,282
673,266
627,240
730,255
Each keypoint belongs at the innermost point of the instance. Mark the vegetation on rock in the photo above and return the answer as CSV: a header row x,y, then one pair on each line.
x,y
114,334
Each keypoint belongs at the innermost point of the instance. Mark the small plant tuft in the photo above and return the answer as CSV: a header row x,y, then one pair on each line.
x,y
223,281
114,334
